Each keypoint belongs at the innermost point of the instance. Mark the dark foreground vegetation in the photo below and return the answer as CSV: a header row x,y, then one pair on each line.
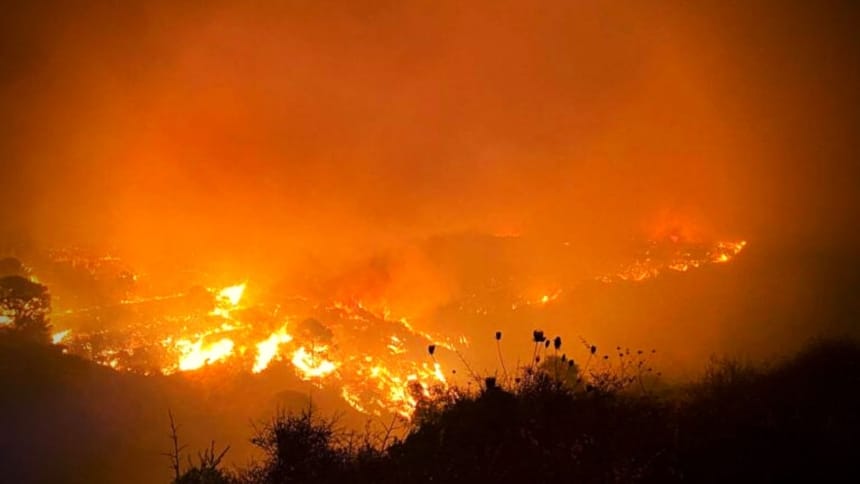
x,y
604,419
798,421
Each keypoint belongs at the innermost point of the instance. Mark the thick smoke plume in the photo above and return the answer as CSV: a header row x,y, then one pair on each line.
x,y
294,141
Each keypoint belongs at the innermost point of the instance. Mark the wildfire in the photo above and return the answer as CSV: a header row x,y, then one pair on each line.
x,y
395,390
311,364
267,349
542,300
197,354
370,357
232,294
368,382
675,256
59,336
725,251
227,300
396,346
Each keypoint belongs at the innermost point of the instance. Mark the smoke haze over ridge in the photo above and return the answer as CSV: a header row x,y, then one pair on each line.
x,y
306,124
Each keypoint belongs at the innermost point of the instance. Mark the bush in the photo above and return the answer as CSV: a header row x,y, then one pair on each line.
x,y
300,448
738,423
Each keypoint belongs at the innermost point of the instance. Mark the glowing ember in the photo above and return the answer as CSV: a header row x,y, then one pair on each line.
x,y
675,256
548,298
725,251
396,346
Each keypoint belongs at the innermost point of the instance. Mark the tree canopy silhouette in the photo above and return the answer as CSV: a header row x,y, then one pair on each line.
x,y
25,307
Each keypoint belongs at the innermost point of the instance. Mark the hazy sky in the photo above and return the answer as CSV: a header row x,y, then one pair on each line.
x,y
237,125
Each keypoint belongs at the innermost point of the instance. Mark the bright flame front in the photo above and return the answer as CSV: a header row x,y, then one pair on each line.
x,y
197,354
378,363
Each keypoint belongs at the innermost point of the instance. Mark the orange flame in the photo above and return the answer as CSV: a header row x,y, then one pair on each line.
x,y
195,355
381,379
310,366
232,294
267,349
59,336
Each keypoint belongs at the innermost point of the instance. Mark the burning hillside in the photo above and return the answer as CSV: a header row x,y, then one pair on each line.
x,y
376,360
378,364
242,206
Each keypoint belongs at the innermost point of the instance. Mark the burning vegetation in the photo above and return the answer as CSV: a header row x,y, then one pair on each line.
x,y
375,360
224,207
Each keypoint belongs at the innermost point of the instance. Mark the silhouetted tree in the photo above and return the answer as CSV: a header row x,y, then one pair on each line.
x,y
299,448
738,423
24,307
207,470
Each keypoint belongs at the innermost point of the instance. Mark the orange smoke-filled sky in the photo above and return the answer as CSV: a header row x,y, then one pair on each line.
x,y
333,126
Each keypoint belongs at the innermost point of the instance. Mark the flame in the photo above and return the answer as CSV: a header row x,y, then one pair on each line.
x,y
396,346
195,355
369,356
232,294
725,251
353,400
267,349
309,365
549,297
59,336
394,391
681,258
227,299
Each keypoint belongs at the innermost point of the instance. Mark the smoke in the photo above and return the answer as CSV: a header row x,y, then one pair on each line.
x,y
163,124
263,137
